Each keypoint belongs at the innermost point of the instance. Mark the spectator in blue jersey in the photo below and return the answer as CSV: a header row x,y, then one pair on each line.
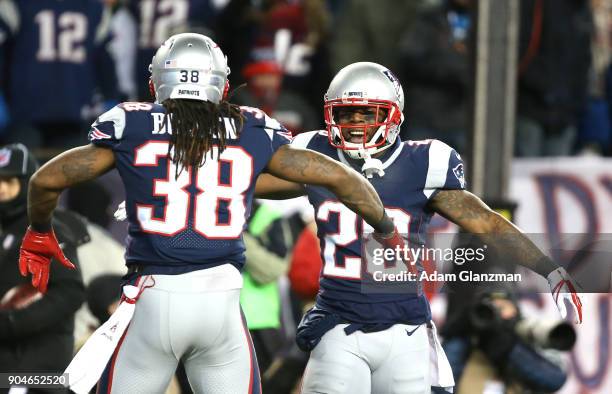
x,y
54,61
365,335
189,164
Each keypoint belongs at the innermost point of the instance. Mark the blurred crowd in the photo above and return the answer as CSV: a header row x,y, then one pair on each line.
x,y
62,63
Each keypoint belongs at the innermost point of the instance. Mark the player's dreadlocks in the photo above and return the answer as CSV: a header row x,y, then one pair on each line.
x,y
196,127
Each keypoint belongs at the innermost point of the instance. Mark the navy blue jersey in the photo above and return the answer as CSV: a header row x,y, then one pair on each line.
x,y
414,172
50,50
159,19
196,218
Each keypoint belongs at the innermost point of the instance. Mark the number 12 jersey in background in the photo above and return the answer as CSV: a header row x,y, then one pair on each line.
x,y
53,57
196,218
414,172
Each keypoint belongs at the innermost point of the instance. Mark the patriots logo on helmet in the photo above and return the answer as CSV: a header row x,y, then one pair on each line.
x,y
390,75
396,83
458,171
5,157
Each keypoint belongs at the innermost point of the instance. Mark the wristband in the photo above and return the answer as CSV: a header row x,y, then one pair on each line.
x,y
545,266
385,225
41,227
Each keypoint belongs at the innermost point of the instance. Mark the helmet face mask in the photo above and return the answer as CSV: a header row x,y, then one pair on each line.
x,y
189,66
380,120
377,92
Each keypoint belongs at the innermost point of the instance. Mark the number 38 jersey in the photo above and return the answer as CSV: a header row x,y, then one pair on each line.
x,y
195,219
414,172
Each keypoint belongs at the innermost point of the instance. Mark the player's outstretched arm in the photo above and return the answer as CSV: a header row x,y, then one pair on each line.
x,y
39,244
304,166
273,188
67,169
473,215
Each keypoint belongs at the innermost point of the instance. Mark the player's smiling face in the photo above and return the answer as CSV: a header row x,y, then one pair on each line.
x,y
359,116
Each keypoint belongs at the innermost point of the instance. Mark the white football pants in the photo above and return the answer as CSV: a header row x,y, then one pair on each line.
x,y
384,362
180,318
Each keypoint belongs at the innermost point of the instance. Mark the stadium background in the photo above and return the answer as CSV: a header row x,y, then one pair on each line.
x,y
299,45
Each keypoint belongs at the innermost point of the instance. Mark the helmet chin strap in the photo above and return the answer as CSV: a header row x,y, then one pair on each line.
x,y
371,166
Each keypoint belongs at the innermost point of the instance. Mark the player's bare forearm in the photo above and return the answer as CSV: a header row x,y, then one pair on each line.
x,y
271,187
473,215
304,166
71,167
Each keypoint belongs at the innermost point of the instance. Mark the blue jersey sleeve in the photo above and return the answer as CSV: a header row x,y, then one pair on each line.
x,y
280,137
303,140
455,177
277,133
108,129
444,169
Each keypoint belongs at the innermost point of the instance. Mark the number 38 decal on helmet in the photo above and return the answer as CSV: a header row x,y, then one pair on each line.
x,y
189,66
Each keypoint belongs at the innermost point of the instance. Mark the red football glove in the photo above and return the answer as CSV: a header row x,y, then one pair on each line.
x,y
393,241
35,255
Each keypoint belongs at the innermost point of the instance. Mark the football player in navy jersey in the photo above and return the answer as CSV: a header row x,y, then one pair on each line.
x,y
367,341
189,164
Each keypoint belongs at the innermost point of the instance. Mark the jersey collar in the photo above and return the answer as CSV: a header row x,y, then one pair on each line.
x,y
387,158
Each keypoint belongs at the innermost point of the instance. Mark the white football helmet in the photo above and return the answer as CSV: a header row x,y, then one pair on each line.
x,y
371,85
189,66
